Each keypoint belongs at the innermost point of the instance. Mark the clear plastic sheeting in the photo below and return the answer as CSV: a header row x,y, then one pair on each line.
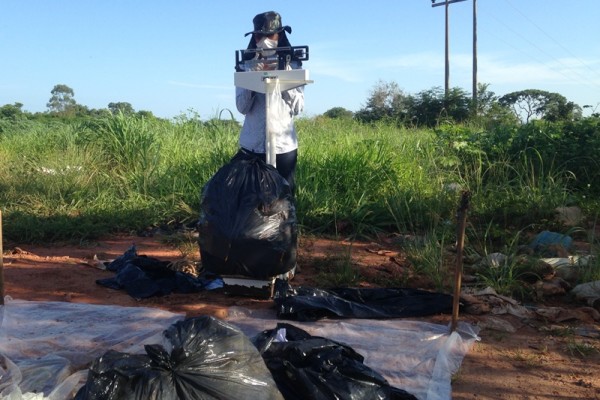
x,y
418,357
45,347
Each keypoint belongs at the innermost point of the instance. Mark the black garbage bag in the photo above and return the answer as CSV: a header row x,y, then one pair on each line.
x,y
317,368
247,222
209,359
309,304
142,277
120,262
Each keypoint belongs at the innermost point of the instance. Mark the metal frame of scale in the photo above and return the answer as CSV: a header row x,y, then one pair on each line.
x,y
277,71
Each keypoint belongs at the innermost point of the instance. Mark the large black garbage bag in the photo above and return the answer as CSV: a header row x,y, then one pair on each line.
x,y
247,222
317,368
309,304
142,277
209,359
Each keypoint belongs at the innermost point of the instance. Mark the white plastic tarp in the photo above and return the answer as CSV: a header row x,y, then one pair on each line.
x,y
45,347
419,357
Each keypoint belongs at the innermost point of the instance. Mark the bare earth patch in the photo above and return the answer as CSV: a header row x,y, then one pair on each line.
x,y
541,360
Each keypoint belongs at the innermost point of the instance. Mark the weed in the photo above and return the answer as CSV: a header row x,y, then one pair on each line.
x,y
581,349
353,179
561,331
527,359
430,259
590,269
338,270
507,277
185,242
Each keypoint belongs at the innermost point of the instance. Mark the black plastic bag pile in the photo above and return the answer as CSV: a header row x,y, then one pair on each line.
x,y
310,304
208,359
142,277
317,368
247,221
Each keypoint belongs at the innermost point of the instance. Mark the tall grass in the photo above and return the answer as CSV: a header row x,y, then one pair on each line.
x,y
79,180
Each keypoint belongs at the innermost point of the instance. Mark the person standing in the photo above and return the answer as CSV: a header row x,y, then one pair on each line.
x,y
269,33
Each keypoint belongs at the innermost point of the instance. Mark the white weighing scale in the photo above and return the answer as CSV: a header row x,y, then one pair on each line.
x,y
276,75
277,72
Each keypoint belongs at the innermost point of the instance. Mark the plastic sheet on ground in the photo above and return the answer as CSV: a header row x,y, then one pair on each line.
x,y
46,346
415,356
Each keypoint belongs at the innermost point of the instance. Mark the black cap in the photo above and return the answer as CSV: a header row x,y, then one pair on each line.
x,y
268,23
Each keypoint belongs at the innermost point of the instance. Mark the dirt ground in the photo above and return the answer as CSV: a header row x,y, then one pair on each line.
x,y
539,360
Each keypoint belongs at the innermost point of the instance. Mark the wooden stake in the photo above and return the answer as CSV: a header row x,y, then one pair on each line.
x,y
461,216
1,265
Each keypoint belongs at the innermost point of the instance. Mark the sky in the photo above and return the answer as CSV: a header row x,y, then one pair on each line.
x,y
174,57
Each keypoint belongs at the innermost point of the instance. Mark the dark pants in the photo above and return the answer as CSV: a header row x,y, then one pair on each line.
x,y
284,163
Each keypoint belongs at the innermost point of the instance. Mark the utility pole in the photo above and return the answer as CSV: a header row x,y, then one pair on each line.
x,y
447,80
475,57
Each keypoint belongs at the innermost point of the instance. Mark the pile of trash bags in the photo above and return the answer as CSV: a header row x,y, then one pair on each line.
x,y
206,358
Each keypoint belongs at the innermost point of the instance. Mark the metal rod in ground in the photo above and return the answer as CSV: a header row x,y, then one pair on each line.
x,y
461,216
1,264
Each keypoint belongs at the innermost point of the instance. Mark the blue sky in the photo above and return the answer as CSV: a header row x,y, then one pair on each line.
x,y
177,56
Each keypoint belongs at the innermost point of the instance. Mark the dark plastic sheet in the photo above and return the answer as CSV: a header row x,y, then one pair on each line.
x,y
309,304
142,277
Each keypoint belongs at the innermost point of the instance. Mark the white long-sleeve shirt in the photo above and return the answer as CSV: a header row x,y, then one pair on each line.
x,y
252,106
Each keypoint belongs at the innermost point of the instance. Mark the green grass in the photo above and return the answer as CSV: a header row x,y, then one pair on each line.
x,y
81,179
337,270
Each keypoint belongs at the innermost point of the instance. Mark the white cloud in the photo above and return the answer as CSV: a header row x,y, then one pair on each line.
x,y
564,71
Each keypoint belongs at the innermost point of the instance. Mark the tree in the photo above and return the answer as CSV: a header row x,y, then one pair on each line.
x,y
430,106
427,106
123,107
386,101
145,114
62,101
457,104
338,112
550,106
11,111
485,99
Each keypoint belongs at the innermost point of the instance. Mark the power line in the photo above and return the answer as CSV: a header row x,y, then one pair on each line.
x,y
582,78
553,39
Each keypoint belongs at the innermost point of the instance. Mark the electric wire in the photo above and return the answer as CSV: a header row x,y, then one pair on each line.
x,y
566,49
582,78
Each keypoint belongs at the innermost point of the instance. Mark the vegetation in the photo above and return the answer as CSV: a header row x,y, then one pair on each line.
x,y
399,165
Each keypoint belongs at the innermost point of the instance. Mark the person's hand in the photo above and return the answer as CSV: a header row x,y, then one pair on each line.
x,y
258,67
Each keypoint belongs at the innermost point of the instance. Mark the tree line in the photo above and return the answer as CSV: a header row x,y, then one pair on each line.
x,y
387,102
62,104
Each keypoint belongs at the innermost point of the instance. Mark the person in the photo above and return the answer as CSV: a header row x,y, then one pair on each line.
x,y
269,33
